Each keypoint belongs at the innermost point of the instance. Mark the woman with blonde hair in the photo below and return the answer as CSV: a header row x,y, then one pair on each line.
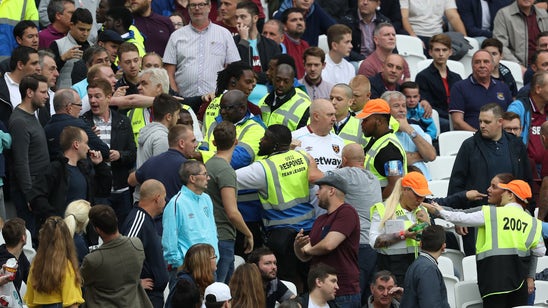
x,y
54,279
246,287
198,267
76,218
390,232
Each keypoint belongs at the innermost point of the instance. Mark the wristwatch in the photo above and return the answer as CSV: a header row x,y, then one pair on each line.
x,y
413,134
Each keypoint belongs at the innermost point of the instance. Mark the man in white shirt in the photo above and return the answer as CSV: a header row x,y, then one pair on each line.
x,y
320,142
337,69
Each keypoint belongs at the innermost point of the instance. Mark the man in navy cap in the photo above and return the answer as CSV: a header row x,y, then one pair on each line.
x,y
334,239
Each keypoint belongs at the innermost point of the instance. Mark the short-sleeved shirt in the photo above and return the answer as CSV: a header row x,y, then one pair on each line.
x,y
426,16
344,258
409,146
326,150
221,175
199,55
468,96
341,72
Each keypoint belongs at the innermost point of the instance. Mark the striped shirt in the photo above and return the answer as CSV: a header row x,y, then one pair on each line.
x,y
199,56
104,128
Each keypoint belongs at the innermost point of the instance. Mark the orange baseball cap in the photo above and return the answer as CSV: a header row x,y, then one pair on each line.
x,y
520,188
417,182
374,106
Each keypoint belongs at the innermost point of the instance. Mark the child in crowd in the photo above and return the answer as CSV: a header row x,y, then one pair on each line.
x,y
415,112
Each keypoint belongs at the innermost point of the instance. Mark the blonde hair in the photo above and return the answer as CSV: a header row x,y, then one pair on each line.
x,y
56,249
391,203
76,216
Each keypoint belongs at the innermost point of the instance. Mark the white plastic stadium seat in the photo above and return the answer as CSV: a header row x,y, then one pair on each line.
x,y
469,268
409,45
450,282
467,294
515,69
322,43
450,142
440,168
439,188
238,261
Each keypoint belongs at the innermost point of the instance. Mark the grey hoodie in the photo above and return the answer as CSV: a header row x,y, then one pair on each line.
x,y
152,141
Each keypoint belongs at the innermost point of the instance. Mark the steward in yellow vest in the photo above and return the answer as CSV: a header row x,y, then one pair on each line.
x,y
508,242
397,247
384,154
249,130
285,105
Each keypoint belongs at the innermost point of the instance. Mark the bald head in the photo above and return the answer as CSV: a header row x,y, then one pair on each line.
x,y
352,154
361,91
151,189
322,116
234,97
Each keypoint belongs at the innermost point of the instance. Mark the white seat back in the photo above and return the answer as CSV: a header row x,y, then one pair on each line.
x,y
439,188
450,142
322,43
238,261
440,168
456,256
515,69
467,294
446,266
409,45
469,268
541,292
290,285
450,282
412,61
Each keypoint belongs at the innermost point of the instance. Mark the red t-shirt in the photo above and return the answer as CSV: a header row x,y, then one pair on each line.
x,y
296,50
344,258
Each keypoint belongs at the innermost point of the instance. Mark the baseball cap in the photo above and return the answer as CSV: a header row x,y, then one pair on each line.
x,y
417,182
520,188
333,179
374,106
110,36
220,293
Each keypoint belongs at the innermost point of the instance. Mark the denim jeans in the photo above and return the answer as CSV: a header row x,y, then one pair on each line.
x,y
367,260
225,266
23,212
349,301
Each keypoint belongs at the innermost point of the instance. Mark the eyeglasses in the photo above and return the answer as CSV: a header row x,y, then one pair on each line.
x,y
205,173
213,257
512,129
79,105
198,5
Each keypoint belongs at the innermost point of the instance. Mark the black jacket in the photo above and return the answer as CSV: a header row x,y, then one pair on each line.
x,y
352,20
267,50
23,265
56,125
471,169
5,101
121,140
432,89
49,191
378,87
